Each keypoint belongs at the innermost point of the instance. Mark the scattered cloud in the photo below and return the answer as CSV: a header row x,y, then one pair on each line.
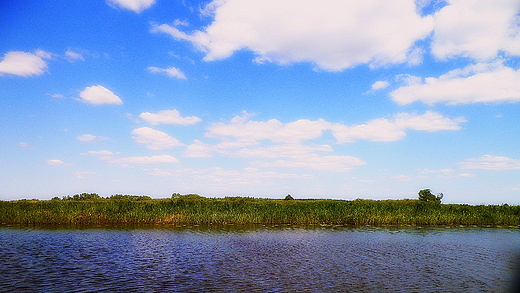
x,y
102,153
99,95
91,138
168,117
155,139
315,162
125,162
333,35
245,138
446,173
23,63
85,174
26,145
56,162
491,163
170,71
383,129
379,85
72,56
477,83
135,5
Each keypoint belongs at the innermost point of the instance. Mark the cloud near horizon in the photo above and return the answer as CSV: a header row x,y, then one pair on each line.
x,y
491,163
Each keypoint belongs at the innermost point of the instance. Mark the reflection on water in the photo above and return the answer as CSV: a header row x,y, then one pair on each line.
x,y
257,259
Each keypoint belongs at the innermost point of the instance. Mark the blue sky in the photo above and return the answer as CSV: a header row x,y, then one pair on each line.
x,y
329,99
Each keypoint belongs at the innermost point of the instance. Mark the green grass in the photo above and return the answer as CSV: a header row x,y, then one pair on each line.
x,y
193,210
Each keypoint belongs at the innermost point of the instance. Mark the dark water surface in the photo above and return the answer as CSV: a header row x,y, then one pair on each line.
x,y
258,259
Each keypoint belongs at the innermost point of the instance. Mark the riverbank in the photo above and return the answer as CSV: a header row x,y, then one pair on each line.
x,y
239,210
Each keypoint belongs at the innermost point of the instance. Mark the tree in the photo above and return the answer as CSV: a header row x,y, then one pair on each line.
x,y
426,195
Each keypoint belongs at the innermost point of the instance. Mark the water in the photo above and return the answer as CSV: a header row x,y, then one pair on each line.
x,y
257,259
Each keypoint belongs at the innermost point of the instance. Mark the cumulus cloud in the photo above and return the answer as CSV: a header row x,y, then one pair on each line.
x,y
135,5
99,95
170,71
477,29
56,162
154,139
476,83
334,35
23,63
168,117
91,138
491,163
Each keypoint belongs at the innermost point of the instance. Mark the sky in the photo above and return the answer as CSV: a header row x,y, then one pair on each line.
x,y
334,99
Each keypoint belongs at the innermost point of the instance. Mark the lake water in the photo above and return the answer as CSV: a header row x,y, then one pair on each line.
x,y
258,259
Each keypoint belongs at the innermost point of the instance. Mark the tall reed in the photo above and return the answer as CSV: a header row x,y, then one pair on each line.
x,y
187,211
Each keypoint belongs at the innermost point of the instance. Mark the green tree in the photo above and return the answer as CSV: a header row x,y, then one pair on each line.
x,y
426,195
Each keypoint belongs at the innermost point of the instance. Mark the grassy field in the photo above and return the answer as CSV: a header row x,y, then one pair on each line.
x,y
193,210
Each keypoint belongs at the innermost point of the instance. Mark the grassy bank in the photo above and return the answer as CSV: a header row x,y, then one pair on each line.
x,y
195,210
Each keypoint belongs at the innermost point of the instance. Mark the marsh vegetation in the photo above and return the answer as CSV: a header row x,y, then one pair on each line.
x,y
91,209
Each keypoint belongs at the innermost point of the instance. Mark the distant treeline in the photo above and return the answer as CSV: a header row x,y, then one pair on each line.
x,y
94,210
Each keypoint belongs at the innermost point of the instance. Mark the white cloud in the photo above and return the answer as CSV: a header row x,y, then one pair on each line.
x,y
134,5
71,55
168,117
99,95
250,132
391,130
56,162
316,162
162,159
246,130
91,138
154,139
492,163
26,145
334,35
446,173
24,64
85,174
102,153
483,82
477,29
287,139
170,71
379,85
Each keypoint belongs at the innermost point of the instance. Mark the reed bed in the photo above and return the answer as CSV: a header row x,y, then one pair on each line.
x,y
206,211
